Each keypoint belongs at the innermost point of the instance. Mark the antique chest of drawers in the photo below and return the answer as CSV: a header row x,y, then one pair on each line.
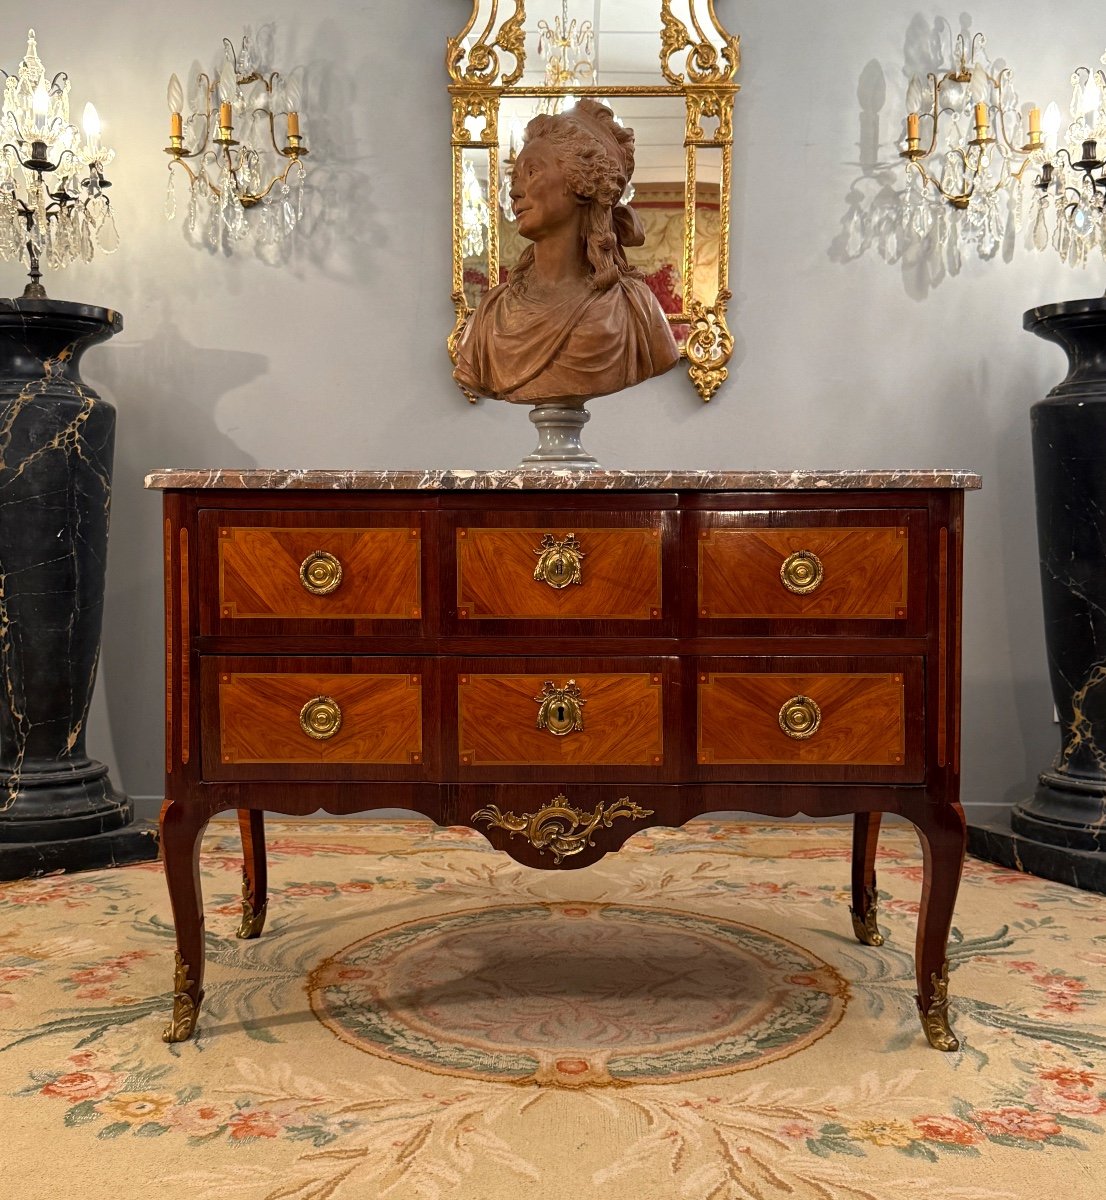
x,y
560,661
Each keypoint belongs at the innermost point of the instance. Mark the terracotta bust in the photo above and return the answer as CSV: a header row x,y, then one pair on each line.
x,y
574,320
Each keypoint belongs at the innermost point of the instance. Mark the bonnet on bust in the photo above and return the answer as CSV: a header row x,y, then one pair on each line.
x,y
596,155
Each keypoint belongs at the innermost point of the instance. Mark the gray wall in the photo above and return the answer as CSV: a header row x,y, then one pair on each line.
x,y
337,359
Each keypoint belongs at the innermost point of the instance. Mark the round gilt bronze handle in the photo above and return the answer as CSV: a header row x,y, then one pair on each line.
x,y
559,561
320,573
800,717
801,572
321,718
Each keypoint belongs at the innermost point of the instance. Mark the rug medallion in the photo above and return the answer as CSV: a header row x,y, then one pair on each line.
x,y
578,994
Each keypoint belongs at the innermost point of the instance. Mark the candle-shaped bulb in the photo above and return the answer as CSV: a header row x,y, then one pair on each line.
x,y
914,94
228,81
1050,124
980,85
293,92
1091,99
40,103
175,95
91,122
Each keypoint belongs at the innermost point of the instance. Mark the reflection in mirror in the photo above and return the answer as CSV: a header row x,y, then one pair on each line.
x,y
707,277
668,75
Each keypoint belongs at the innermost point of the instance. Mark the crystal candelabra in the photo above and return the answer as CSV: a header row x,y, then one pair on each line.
x,y
233,174
568,47
1071,185
39,226
961,184
474,213
514,144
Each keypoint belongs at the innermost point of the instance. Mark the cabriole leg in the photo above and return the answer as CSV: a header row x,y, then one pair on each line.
x,y
943,835
181,828
865,905
255,876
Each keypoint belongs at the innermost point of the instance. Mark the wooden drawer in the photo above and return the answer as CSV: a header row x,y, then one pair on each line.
x,y
310,718
573,568
856,719
306,572
552,719
812,568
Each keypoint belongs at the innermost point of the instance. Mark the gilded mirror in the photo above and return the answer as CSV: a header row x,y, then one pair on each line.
x,y
669,75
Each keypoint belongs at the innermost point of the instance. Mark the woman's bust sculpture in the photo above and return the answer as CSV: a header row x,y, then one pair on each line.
x,y
574,320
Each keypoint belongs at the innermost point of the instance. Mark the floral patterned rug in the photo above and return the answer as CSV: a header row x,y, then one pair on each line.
x,y
691,1019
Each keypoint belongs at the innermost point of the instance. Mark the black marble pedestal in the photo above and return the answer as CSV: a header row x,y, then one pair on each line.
x,y
58,808
992,838
1060,832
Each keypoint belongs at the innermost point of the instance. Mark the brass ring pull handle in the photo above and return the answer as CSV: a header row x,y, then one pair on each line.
x,y
320,573
558,561
801,572
800,717
560,708
321,718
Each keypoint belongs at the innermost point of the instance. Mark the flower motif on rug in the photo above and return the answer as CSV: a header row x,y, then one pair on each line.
x,y
694,1010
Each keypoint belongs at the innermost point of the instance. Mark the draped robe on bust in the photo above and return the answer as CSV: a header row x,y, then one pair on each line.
x,y
531,350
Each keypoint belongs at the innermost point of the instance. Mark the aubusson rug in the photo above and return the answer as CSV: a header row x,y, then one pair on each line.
x,y
689,1020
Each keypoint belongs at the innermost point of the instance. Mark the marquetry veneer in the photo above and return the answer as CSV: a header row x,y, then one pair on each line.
x,y
562,667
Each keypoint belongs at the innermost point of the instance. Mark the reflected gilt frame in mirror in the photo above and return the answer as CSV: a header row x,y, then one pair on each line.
x,y
488,66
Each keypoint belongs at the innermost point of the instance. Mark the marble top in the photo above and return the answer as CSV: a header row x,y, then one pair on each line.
x,y
519,479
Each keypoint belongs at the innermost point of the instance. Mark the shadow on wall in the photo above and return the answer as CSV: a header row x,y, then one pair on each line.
x,y
167,392
1000,572
874,220
341,232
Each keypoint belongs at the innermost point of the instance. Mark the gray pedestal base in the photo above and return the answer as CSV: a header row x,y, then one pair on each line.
x,y
558,447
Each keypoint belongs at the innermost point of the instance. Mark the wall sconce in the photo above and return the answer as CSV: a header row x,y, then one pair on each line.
x,y
979,159
1072,181
234,173
37,225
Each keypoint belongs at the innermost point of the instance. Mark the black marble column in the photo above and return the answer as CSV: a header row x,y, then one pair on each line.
x,y
1060,832
58,808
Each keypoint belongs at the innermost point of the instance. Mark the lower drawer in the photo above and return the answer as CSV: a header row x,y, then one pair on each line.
x,y
315,718
825,720
554,719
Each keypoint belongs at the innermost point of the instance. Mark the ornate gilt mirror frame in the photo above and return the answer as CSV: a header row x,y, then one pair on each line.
x,y
703,80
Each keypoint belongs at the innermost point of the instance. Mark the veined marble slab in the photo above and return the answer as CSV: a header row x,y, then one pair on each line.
x,y
455,480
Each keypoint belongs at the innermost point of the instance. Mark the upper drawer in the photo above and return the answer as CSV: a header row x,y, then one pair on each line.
x,y
576,567
311,572
805,571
